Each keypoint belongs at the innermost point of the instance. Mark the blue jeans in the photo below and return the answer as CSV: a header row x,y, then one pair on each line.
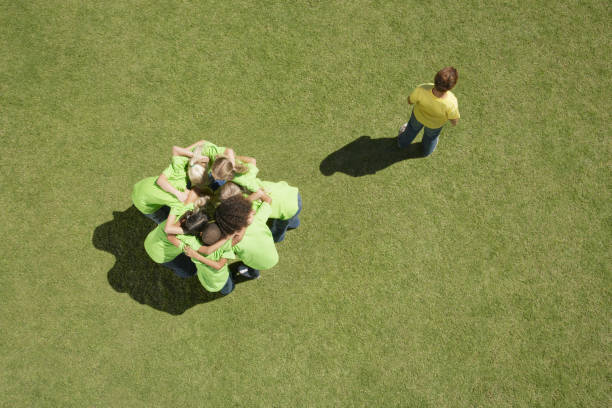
x,y
229,286
182,266
160,215
280,227
430,136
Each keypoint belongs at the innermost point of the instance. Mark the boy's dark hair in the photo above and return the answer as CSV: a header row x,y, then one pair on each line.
x,y
192,222
232,214
446,79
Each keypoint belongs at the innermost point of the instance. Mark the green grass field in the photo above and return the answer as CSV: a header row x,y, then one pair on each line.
x,y
477,277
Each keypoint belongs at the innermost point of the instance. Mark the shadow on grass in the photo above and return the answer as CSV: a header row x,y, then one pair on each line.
x,y
365,156
136,274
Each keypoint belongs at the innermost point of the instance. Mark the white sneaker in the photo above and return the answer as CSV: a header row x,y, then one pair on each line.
x,y
403,128
243,270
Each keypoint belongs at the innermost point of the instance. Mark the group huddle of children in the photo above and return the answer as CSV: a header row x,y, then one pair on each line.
x,y
211,207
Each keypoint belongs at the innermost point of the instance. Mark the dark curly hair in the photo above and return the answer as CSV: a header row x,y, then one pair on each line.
x,y
232,214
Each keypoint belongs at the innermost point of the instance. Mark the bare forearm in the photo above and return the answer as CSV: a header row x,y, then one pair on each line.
x,y
181,151
209,249
208,262
195,144
247,159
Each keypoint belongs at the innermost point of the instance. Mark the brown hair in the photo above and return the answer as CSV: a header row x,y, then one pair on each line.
x,y
192,221
228,190
232,214
222,168
446,79
210,234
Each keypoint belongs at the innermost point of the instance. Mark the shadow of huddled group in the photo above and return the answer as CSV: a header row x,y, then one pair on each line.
x,y
365,156
135,274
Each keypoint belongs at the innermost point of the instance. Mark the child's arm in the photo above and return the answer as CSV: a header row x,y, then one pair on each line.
x,y
209,262
186,151
199,142
164,184
172,226
207,250
247,159
259,195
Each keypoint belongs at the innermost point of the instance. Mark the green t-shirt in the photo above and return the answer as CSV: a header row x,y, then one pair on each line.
x,y
284,199
211,151
256,249
212,279
149,197
157,245
248,179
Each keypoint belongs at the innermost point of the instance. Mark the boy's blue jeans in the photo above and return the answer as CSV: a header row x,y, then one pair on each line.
x,y
430,136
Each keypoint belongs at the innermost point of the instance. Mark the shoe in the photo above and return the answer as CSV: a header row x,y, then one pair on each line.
x,y
402,128
248,273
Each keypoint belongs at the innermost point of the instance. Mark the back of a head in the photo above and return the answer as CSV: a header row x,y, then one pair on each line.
x,y
232,214
228,190
446,79
192,222
222,168
198,168
210,234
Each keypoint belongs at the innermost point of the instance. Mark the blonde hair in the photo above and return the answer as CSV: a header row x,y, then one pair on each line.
x,y
222,168
228,190
198,168
200,203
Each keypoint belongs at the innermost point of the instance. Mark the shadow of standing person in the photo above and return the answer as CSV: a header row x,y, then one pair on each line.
x,y
136,274
365,156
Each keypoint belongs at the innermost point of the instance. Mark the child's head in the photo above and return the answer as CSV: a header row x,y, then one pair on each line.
x,y
446,79
224,168
198,168
228,190
233,214
210,234
193,221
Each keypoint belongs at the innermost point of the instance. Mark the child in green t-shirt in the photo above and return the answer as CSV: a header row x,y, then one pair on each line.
x,y
256,250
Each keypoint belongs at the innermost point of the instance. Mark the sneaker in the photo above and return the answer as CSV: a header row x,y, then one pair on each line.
x,y
248,273
402,128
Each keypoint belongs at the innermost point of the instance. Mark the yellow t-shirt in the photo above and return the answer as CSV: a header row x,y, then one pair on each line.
x,y
431,111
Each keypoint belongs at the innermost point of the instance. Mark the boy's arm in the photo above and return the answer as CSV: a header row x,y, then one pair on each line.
x,y
209,262
164,184
454,121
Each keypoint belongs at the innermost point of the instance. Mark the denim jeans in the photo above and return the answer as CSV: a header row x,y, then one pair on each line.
x,y
430,136
278,228
229,286
160,215
182,266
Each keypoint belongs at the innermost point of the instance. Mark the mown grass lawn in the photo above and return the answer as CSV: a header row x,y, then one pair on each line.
x,y
479,276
